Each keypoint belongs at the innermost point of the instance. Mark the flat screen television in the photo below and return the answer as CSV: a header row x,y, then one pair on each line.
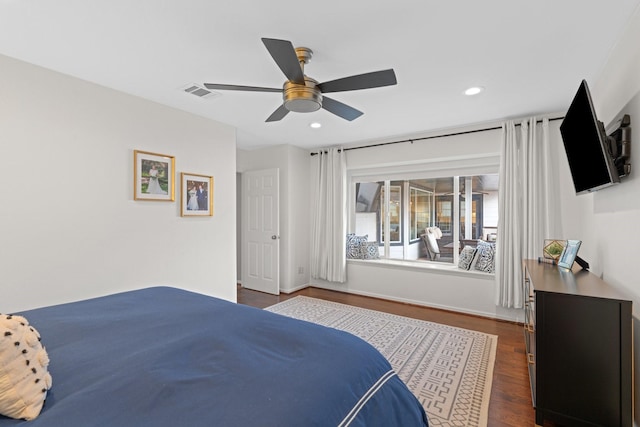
x,y
587,146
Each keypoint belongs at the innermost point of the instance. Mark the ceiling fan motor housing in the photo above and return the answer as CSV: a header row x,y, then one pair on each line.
x,y
302,98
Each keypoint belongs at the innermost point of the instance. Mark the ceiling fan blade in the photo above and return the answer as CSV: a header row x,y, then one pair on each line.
x,y
285,56
245,88
340,109
360,81
279,114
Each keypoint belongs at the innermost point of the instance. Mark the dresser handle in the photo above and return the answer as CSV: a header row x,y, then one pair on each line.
x,y
530,358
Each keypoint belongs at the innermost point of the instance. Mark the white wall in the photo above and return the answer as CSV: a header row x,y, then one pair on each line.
x,y
299,220
69,226
611,229
295,223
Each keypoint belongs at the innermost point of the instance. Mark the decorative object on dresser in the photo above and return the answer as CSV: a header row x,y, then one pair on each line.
x,y
579,342
553,248
569,254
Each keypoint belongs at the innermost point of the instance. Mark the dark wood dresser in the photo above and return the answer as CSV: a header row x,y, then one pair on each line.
x,y
579,340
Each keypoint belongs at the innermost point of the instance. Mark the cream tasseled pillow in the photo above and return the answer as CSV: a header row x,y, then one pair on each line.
x,y
24,378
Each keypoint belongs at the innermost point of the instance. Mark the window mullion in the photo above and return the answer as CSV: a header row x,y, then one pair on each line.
x,y
405,199
455,218
387,219
468,207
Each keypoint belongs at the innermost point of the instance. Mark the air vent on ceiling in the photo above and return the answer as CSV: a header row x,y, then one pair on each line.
x,y
199,91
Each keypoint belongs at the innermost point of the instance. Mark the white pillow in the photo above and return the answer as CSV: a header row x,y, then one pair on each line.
x,y
434,230
355,245
24,377
467,256
475,259
486,257
370,250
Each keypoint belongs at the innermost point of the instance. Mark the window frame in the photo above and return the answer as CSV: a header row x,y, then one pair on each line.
x,y
452,167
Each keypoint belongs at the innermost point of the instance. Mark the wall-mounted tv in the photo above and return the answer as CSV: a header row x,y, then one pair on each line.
x,y
594,158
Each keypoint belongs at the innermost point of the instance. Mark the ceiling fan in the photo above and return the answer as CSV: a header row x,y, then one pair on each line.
x,y
301,93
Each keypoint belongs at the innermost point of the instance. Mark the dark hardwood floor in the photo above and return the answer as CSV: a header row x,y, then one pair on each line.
x,y
510,404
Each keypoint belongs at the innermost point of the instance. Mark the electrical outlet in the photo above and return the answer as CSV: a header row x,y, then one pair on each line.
x,y
300,270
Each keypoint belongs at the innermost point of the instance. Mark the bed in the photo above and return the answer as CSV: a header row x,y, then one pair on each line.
x,y
163,356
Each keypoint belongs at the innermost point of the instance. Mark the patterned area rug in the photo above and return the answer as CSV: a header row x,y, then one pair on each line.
x,y
448,369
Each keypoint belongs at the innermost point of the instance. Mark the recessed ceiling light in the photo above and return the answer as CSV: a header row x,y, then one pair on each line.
x,y
315,125
473,90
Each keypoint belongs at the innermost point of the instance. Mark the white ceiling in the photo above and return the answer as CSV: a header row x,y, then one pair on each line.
x,y
529,55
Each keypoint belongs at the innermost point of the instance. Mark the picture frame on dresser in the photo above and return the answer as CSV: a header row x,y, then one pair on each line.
x,y
569,254
153,176
196,194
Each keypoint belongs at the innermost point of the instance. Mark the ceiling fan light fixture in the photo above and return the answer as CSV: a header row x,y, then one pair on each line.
x,y
473,90
305,98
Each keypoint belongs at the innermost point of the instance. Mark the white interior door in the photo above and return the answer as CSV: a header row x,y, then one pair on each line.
x,y
260,230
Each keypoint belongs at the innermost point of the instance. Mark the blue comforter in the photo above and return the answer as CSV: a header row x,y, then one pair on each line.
x,y
168,357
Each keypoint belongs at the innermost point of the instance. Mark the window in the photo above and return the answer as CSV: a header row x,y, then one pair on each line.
x,y
395,213
420,208
394,207
368,210
444,214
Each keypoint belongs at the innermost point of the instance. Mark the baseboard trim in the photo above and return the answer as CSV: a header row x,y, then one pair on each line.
x,y
296,289
491,316
385,297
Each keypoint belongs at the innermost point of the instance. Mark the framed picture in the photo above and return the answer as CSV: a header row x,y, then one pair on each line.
x,y
153,176
569,254
196,195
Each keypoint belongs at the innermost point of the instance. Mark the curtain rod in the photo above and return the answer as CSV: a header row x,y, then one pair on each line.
x,y
411,140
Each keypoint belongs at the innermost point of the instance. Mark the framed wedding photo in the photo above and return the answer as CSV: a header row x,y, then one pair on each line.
x,y
569,254
153,176
196,195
